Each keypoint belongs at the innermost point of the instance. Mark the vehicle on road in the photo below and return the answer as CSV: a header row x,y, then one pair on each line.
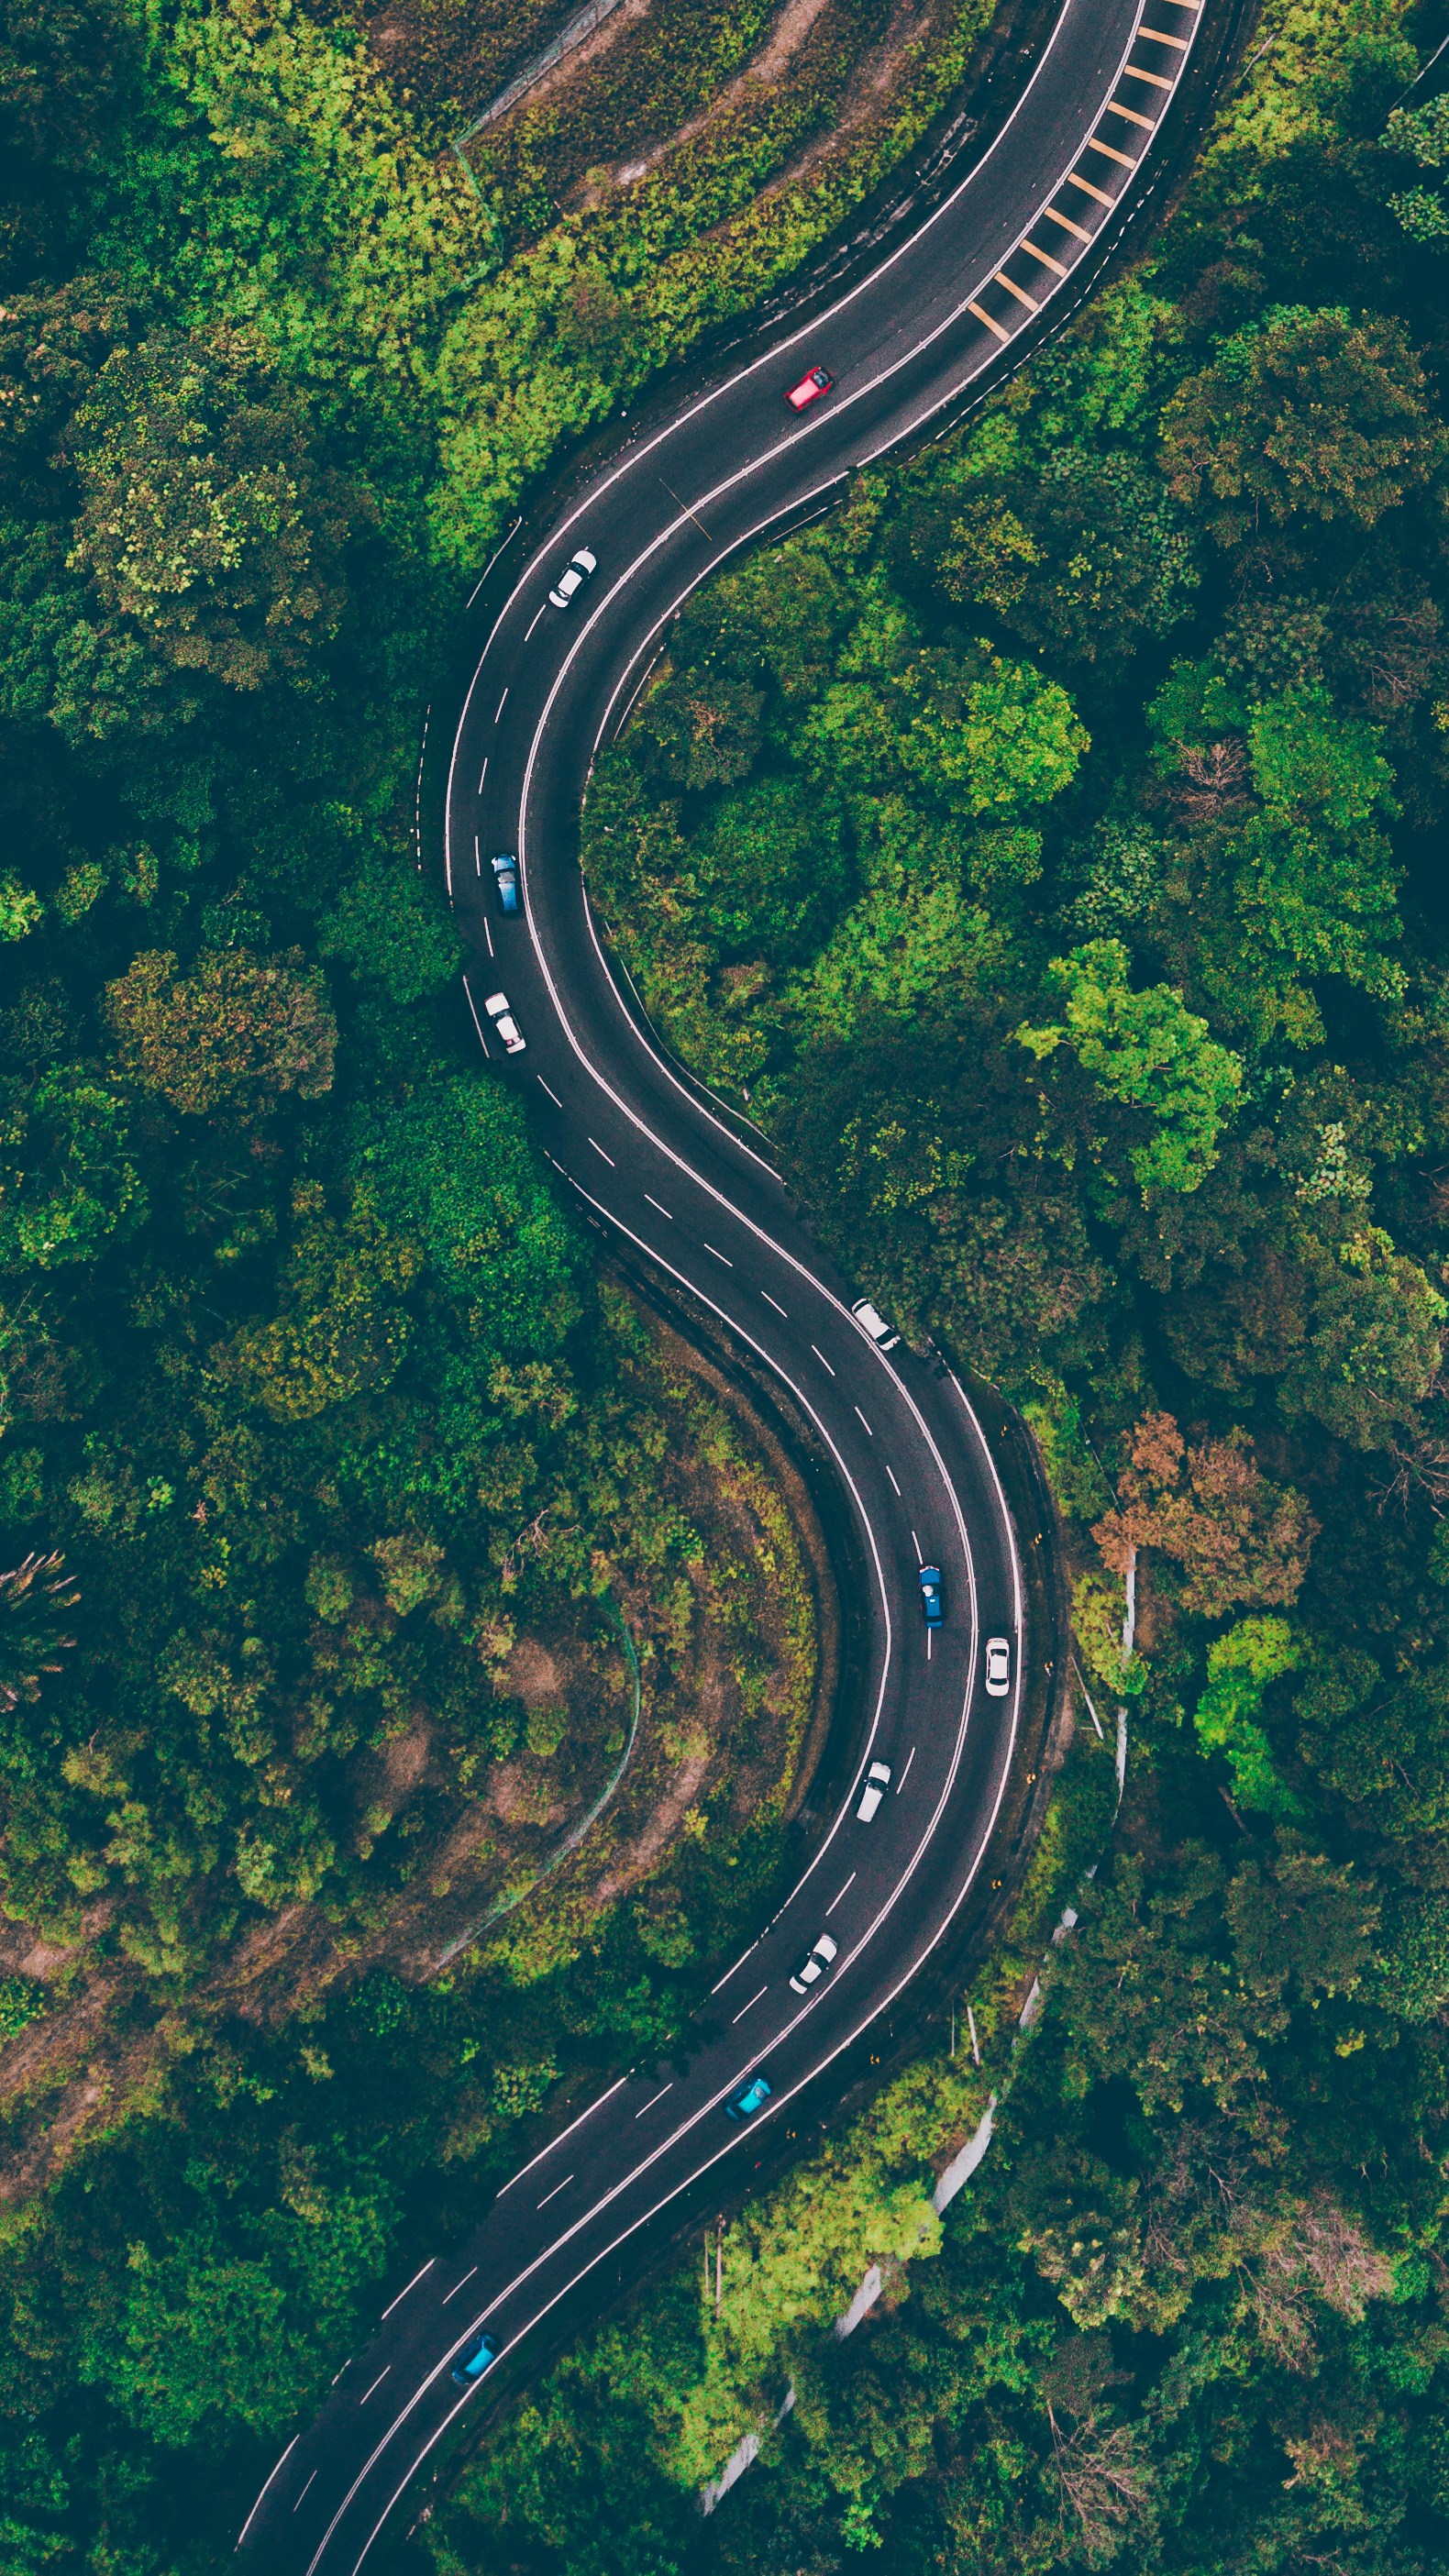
x,y
500,1013
822,1956
874,1323
877,1781
998,1667
581,568
746,2099
931,1601
810,388
473,2360
505,871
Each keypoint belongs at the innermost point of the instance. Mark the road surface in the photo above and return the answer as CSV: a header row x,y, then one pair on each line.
x,y
653,1161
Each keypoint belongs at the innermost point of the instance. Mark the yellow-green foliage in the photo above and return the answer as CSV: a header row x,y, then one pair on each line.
x,y
396,229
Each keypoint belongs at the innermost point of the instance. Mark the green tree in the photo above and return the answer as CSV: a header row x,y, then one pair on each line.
x,y
67,1181
1307,412
393,929
1240,1666
1148,1051
1008,740
769,870
456,1172
206,527
343,1323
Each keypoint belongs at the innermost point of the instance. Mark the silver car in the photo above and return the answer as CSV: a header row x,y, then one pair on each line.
x,y
500,1012
877,1781
873,1322
581,568
821,1957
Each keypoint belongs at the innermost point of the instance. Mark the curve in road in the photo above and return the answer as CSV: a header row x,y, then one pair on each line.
x,y
655,1164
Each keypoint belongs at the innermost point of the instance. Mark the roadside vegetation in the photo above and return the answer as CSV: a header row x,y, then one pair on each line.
x,y
1050,846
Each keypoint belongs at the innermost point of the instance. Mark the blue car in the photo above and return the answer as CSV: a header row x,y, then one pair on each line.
x,y
473,2360
505,869
931,1601
743,2103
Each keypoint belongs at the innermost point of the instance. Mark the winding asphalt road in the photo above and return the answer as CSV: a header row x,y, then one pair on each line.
x,y
652,1161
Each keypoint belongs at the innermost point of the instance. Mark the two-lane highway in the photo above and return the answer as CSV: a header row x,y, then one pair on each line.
x,y
654,1164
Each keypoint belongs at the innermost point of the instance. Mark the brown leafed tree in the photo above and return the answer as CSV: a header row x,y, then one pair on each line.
x,y
1238,1539
231,1036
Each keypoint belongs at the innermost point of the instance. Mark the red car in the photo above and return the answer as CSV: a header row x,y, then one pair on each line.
x,y
810,388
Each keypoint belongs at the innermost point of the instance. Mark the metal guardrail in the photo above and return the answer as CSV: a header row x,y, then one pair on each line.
x,y
581,24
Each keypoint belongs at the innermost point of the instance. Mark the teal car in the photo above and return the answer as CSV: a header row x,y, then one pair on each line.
x,y
473,2360
746,2099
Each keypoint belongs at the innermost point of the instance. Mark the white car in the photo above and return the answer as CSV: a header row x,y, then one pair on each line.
x,y
877,1781
582,567
821,1957
875,1324
501,1015
998,1667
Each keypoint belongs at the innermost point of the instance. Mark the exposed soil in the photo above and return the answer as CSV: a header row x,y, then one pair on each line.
x,y
727,1701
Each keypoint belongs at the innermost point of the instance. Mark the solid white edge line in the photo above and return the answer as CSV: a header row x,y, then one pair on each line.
x,y
596,2105
778,2104
412,2285
965,1400
281,2464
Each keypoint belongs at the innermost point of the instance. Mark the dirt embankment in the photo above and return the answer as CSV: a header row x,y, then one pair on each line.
x,y
737,1636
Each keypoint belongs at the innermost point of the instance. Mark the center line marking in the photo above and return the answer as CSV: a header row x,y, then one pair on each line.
x,y
598,1149
750,2006
553,1095
845,1891
481,776
304,2490
820,1355
502,703
488,935
460,2285
775,1302
664,1211
377,2383
669,2087
890,1471
867,1425
910,1757
916,1544
535,622
558,2187
930,1632
720,1256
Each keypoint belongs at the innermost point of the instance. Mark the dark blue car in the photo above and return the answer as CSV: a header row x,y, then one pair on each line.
x,y
505,869
931,1601
473,2360
746,2099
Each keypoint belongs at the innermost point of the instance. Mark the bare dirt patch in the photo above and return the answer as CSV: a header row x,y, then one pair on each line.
x,y
727,1633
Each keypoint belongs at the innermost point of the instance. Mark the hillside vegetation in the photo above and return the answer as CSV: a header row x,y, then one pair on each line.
x,y
1050,845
